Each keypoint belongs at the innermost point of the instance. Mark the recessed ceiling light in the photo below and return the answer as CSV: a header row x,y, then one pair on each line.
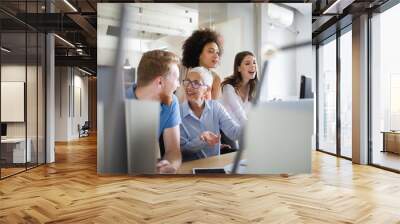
x,y
5,50
70,5
337,7
86,72
64,40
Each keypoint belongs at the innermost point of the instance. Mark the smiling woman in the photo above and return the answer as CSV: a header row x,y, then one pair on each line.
x,y
239,89
204,48
203,119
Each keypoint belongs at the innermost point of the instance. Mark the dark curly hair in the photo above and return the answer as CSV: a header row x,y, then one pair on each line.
x,y
194,45
236,78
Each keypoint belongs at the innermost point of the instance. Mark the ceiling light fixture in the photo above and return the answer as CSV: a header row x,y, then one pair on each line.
x,y
5,50
86,72
127,66
70,5
337,7
64,40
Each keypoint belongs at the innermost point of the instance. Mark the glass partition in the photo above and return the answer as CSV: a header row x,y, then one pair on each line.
x,y
327,97
22,89
13,105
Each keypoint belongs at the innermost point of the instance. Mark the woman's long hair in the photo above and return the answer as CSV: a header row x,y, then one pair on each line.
x,y
236,78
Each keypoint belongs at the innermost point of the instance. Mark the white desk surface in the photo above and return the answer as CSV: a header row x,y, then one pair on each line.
x,y
13,140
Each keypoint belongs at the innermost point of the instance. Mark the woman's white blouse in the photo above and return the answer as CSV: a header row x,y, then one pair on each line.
x,y
234,104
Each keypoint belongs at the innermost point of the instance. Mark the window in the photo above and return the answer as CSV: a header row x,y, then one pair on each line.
x,y
346,94
327,96
385,89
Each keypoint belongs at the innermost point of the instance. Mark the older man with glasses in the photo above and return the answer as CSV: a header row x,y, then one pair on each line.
x,y
203,119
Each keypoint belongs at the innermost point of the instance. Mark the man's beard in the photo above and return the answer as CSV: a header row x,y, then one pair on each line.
x,y
166,99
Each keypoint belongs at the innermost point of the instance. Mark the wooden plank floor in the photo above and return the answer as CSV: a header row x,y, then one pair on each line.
x,y
70,191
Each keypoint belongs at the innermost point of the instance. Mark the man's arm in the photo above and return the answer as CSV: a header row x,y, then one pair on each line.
x,y
171,138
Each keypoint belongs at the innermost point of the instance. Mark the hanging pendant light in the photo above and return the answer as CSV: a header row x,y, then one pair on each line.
x,y
127,66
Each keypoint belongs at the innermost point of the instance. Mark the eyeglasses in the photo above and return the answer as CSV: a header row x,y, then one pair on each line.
x,y
195,84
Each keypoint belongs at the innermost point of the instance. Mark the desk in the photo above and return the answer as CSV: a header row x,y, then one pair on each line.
x,y
211,162
391,141
13,150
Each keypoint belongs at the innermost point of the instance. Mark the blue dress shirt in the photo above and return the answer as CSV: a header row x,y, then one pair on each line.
x,y
214,118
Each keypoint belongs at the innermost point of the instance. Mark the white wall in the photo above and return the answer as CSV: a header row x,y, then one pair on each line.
x,y
285,68
235,22
314,89
238,32
314,69
246,13
80,83
231,45
61,103
305,60
282,68
33,126
11,73
68,83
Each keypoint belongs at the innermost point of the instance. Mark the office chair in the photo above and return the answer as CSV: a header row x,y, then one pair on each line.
x,y
84,130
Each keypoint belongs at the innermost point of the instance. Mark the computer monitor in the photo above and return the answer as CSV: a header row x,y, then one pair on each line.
x,y
306,88
300,112
3,129
256,100
278,137
142,121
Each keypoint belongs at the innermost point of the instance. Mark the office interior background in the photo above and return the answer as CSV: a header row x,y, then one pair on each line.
x,y
30,53
48,82
49,85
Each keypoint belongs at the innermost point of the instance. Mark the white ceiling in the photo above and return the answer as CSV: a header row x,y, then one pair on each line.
x,y
145,23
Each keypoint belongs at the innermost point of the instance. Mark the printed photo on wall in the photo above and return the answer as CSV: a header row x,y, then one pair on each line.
x,y
205,88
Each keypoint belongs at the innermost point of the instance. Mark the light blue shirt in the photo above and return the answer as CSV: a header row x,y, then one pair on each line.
x,y
169,114
214,118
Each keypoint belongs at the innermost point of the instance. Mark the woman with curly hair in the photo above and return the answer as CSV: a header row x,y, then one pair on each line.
x,y
204,48
239,89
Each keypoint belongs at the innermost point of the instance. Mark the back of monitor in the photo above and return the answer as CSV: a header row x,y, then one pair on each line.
x,y
142,121
278,138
